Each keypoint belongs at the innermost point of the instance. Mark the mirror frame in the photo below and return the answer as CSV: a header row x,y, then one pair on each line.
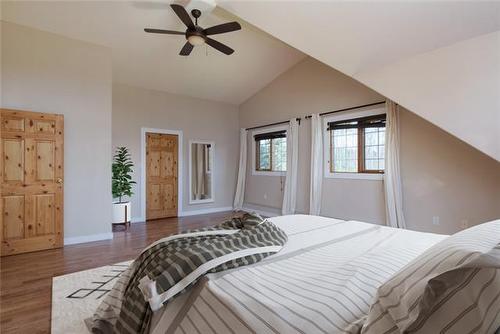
x,y
212,172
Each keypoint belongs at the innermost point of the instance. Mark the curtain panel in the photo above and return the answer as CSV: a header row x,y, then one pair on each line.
x,y
292,159
392,175
316,165
242,172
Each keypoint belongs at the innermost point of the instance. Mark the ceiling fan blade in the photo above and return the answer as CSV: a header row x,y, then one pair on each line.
x,y
161,31
222,28
186,49
183,15
219,46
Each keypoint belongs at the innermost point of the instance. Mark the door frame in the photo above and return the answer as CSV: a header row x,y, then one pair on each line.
x,y
180,146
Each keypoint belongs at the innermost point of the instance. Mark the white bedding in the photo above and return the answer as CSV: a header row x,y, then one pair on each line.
x,y
322,281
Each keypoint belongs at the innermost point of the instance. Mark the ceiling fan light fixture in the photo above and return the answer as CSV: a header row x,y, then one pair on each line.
x,y
196,40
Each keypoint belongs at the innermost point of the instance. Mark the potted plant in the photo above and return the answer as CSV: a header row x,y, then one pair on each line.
x,y
122,185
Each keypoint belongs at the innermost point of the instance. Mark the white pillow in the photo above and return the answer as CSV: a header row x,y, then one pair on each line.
x,y
453,287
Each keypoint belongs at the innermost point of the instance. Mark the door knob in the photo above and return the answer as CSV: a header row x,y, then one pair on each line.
x,y
59,180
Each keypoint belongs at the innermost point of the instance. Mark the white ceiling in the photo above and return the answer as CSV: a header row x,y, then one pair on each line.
x,y
439,59
357,36
152,61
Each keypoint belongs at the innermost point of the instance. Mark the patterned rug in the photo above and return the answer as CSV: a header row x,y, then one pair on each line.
x,y
76,296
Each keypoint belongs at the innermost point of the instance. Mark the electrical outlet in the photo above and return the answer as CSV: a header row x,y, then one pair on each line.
x,y
435,220
265,196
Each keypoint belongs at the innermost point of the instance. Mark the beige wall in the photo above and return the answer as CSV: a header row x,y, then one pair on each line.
x,y
310,87
134,108
437,168
44,72
444,176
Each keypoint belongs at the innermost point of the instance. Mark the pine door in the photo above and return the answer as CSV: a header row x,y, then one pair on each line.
x,y
31,171
161,175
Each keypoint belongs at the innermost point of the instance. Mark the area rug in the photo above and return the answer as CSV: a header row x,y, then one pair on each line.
x,y
76,296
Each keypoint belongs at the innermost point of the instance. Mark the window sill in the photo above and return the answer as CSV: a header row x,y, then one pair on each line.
x,y
355,176
268,173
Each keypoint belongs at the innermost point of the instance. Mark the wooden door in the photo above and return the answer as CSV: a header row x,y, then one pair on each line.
x,y
31,169
161,175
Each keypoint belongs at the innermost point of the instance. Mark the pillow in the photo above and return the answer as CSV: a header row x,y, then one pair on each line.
x,y
453,287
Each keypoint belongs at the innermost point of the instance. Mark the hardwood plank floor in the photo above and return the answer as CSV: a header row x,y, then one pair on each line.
x,y
26,279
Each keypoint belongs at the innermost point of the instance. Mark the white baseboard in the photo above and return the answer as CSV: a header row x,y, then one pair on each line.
x,y
204,211
137,220
189,213
87,238
261,212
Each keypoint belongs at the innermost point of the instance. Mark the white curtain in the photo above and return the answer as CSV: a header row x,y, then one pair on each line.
x,y
242,172
316,165
292,159
392,177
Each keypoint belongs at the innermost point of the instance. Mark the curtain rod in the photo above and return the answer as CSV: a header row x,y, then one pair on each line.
x,y
271,124
346,109
322,114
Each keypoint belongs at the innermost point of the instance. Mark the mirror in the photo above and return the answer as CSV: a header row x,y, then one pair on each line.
x,y
201,157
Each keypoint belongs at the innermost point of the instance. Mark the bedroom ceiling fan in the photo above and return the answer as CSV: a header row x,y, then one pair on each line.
x,y
195,34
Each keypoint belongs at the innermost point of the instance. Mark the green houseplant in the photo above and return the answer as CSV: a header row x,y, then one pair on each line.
x,y
122,184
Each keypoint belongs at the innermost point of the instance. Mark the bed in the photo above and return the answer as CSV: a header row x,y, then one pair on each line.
x,y
324,280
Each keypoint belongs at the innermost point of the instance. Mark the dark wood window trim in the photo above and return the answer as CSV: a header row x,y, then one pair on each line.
x,y
360,124
266,136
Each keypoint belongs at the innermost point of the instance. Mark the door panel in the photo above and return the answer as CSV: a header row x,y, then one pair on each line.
x,y
168,191
44,213
13,124
44,160
45,126
168,164
32,174
154,197
13,150
161,175
13,212
154,162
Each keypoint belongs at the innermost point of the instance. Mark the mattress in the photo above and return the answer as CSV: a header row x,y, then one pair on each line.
x,y
322,281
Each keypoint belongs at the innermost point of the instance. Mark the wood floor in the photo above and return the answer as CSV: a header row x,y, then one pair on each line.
x,y
26,279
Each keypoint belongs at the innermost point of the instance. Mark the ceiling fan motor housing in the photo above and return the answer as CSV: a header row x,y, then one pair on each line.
x,y
196,37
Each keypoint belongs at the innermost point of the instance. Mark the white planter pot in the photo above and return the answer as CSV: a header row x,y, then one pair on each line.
x,y
121,212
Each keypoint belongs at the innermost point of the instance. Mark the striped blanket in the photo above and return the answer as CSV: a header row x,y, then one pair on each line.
x,y
171,265
323,281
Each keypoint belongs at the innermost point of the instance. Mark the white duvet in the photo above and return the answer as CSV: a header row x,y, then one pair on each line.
x,y
322,281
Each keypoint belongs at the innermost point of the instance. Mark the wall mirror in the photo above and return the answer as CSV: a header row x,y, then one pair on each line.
x,y
201,165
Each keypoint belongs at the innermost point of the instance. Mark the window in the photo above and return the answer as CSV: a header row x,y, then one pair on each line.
x,y
357,145
270,151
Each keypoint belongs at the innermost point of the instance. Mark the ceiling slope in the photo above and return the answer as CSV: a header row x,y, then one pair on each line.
x,y
440,60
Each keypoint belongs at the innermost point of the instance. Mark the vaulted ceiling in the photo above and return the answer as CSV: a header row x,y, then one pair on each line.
x,y
439,59
152,61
